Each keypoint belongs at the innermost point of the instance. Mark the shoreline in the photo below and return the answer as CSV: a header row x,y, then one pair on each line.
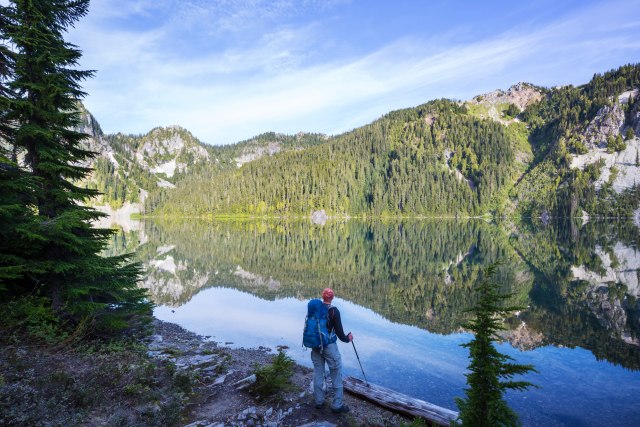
x,y
170,377
217,402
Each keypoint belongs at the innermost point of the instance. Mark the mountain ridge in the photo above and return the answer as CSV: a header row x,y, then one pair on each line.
x,y
379,168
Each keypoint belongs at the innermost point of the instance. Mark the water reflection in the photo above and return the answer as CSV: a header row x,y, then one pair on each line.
x,y
580,284
404,288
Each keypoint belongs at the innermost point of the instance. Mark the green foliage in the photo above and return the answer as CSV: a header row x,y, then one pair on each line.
x,y
34,317
512,111
183,382
274,378
44,210
491,371
629,134
20,235
615,144
434,159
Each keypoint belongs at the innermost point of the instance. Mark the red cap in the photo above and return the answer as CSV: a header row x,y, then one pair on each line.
x,y
327,295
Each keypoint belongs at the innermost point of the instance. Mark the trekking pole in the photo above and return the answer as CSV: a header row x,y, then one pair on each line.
x,y
358,357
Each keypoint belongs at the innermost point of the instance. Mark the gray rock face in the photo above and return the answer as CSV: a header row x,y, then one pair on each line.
x,y
610,313
634,121
319,217
254,153
520,94
608,122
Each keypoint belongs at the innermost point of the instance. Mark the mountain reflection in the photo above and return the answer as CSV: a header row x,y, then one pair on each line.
x,y
579,284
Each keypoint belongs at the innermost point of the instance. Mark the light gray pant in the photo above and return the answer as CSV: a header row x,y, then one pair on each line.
x,y
331,356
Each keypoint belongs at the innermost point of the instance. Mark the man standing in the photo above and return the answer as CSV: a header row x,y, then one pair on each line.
x,y
331,355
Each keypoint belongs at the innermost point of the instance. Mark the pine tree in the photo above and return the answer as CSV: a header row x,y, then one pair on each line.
x,y
17,224
80,284
491,371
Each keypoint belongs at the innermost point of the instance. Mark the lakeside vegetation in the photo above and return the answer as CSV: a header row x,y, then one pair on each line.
x,y
62,291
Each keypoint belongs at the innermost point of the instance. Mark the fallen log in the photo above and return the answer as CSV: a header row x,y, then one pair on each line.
x,y
399,402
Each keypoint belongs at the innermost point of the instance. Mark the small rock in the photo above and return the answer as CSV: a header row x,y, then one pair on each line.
x,y
319,217
319,424
220,380
245,382
202,361
268,412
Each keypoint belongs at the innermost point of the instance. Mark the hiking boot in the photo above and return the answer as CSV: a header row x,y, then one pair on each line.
x,y
341,410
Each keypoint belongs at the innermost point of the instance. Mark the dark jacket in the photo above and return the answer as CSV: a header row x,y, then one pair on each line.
x,y
335,324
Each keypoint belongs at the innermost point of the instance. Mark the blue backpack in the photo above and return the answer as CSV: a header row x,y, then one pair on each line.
x,y
316,334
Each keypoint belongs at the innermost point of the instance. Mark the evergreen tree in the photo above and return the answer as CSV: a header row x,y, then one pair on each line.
x,y
630,134
16,219
491,371
80,284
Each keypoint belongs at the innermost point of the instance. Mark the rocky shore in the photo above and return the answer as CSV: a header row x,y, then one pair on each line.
x,y
219,401
171,377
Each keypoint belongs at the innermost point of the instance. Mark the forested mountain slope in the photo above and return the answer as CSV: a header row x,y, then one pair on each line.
x,y
435,159
129,167
532,151
587,149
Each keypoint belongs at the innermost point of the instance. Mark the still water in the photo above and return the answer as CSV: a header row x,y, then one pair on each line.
x,y
403,289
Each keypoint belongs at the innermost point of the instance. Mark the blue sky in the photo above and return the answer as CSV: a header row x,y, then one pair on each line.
x,y
228,70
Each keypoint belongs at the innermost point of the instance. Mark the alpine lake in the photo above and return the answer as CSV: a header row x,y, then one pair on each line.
x,y
404,289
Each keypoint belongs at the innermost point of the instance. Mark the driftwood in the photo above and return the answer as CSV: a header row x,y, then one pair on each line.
x,y
399,402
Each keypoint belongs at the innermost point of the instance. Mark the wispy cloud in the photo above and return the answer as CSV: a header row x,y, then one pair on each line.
x,y
280,82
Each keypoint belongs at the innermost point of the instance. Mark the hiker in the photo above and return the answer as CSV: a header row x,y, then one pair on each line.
x,y
331,355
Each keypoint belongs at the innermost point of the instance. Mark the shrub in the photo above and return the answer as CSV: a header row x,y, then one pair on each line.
x,y
182,382
35,316
512,111
274,378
